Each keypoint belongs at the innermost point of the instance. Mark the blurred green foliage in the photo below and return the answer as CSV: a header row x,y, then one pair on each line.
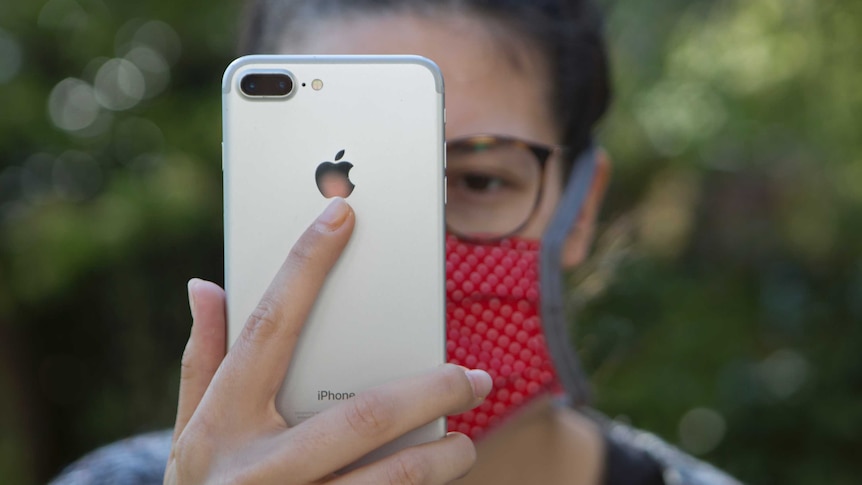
x,y
721,309
722,306
110,200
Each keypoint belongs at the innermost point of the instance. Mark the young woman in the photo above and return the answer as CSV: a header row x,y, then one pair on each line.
x,y
526,82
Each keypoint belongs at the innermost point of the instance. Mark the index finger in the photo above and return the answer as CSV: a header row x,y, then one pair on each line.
x,y
256,364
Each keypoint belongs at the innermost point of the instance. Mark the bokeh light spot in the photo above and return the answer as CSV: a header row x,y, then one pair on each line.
x,y
678,115
153,66
119,85
72,105
10,57
62,14
701,430
161,37
783,373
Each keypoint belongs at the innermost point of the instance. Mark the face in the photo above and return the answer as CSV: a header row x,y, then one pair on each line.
x,y
487,91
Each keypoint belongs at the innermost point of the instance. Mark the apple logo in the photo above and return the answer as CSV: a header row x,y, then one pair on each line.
x,y
333,179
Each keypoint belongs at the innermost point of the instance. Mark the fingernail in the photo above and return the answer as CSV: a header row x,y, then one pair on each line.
x,y
481,382
335,214
192,283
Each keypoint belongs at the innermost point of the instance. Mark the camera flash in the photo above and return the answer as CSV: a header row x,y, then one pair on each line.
x,y
317,85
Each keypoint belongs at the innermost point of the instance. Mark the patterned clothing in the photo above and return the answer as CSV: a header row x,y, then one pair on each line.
x,y
141,460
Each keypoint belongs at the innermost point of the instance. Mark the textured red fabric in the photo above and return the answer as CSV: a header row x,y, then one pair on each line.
x,y
492,310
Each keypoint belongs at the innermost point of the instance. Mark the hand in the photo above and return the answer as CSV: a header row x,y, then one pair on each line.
x,y
228,430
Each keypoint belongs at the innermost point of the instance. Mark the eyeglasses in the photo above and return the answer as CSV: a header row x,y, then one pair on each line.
x,y
494,184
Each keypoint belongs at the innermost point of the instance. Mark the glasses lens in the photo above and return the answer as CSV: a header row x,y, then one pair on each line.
x,y
493,188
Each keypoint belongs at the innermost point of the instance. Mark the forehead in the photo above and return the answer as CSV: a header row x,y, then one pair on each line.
x,y
487,90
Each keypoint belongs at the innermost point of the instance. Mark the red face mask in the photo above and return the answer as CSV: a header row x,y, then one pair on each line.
x,y
492,310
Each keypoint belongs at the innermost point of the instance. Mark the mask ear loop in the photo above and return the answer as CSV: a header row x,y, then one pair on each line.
x,y
554,321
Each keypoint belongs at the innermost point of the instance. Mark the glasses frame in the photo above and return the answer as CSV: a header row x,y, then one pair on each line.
x,y
542,153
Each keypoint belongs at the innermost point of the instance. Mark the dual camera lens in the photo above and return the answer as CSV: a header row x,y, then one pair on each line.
x,y
266,84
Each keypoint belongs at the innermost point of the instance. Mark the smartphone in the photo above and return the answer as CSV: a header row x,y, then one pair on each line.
x,y
298,130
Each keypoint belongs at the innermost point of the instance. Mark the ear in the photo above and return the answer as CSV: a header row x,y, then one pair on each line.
x,y
580,237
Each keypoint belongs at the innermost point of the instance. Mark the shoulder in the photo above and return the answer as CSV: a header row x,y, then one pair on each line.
x,y
139,460
677,467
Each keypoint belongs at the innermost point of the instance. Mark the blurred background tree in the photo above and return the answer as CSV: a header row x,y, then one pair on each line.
x,y
721,310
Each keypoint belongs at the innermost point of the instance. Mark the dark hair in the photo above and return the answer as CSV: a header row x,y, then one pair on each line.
x,y
569,32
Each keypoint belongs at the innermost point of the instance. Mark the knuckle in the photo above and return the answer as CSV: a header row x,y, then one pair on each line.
x,y
408,469
368,414
182,450
263,322
192,450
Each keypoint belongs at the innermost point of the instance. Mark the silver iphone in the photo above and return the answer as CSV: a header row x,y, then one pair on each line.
x,y
299,130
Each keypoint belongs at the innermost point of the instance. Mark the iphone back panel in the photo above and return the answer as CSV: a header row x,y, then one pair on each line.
x,y
373,123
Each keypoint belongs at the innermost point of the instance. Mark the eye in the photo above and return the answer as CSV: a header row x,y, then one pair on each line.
x,y
482,182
